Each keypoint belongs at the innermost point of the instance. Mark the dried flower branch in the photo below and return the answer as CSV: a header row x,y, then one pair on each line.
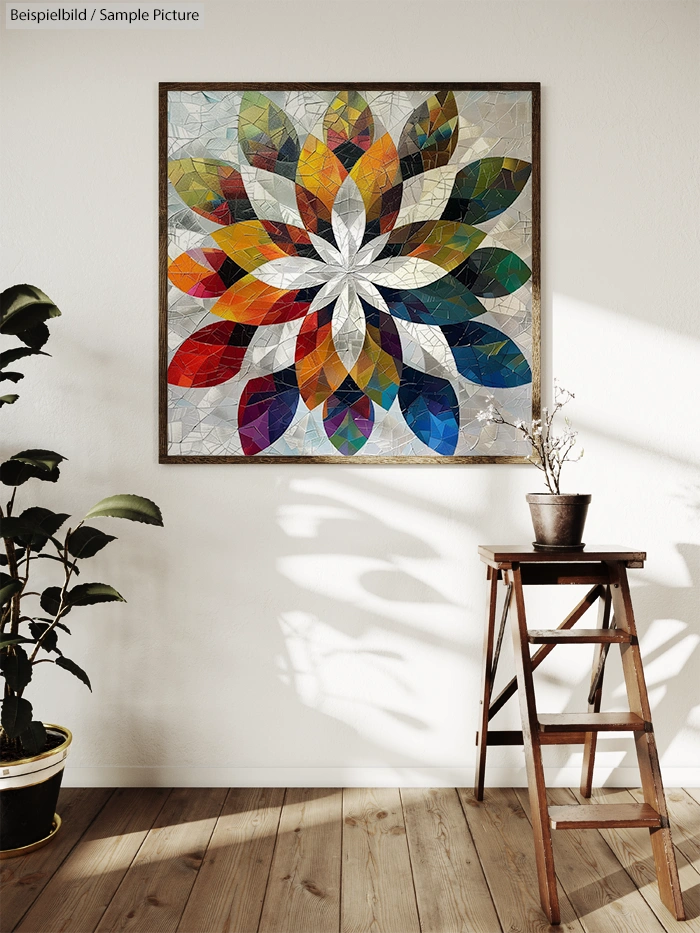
x,y
550,451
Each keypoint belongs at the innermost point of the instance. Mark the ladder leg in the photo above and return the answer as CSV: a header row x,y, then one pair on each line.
x,y
594,699
645,742
486,683
549,897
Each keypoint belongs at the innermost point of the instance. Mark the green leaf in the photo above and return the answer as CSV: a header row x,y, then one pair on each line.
x,y
31,464
16,668
23,307
87,594
16,715
43,523
135,508
12,528
86,541
35,337
8,399
33,738
71,666
15,640
17,353
12,377
51,599
50,643
8,588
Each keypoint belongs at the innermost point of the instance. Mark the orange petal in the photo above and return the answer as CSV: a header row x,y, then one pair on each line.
x,y
318,366
249,244
319,176
447,243
376,172
248,301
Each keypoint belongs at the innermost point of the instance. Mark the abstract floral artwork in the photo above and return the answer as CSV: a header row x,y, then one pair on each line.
x,y
349,273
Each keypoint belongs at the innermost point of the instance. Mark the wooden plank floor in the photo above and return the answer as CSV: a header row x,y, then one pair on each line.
x,y
326,860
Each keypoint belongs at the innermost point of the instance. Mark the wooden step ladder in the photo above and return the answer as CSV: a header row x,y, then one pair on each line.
x,y
605,570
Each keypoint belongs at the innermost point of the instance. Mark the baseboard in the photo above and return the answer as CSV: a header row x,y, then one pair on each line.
x,y
166,776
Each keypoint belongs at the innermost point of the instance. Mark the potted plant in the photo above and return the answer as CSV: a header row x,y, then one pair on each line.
x,y
32,752
558,518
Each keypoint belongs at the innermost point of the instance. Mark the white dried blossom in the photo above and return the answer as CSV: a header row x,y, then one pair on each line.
x,y
550,451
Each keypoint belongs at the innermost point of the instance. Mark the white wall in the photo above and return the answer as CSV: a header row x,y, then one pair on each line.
x,y
323,624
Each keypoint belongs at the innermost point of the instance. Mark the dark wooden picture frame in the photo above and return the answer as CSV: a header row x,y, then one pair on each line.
x,y
166,87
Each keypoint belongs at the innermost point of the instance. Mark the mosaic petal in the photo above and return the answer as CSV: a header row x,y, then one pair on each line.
x,y
348,326
254,242
251,301
378,177
443,242
348,220
318,366
319,177
486,356
484,189
266,135
378,368
211,355
266,409
493,272
430,407
446,301
293,272
204,273
348,418
211,188
425,196
348,127
403,272
430,135
273,197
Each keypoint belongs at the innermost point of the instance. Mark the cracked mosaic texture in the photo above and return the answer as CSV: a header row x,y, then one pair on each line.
x,y
349,272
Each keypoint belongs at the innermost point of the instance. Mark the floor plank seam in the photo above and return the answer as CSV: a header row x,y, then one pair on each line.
x,y
342,840
201,861
128,868
481,866
68,853
410,860
272,858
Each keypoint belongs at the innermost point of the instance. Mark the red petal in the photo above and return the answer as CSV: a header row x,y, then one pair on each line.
x,y
210,356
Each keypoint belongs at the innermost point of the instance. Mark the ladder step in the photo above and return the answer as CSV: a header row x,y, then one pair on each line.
x,y
604,816
592,722
581,636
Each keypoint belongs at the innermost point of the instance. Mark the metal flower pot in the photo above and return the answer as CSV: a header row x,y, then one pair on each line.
x,y
29,791
558,520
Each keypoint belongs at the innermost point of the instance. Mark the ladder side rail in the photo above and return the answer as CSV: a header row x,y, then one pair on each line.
x,y
591,742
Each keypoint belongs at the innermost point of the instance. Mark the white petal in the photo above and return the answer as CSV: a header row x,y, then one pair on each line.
x,y
370,293
403,272
348,219
328,293
292,272
348,326
426,349
272,348
325,250
272,196
371,250
424,196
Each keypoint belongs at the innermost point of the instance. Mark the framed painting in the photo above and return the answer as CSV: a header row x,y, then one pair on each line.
x,y
349,272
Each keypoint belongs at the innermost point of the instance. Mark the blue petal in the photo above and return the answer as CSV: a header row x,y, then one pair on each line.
x,y
446,301
486,356
429,405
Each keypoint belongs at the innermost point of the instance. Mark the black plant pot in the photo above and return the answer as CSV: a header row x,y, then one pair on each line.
x,y
558,520
29,791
